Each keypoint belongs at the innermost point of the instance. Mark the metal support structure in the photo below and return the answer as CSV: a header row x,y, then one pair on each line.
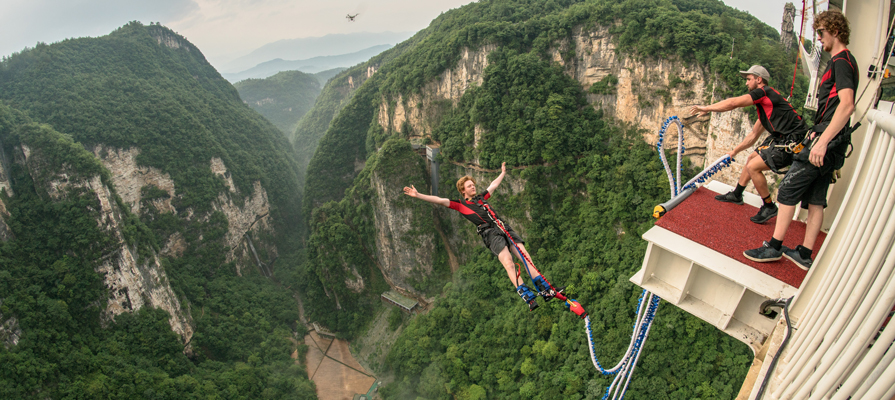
x,y
432,156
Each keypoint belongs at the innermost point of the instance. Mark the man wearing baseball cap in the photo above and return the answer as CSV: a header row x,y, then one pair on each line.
x,y
784,126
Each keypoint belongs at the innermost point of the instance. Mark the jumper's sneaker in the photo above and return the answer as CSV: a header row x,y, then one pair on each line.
x,y
730,197
765,213
765,253
526,294
795,256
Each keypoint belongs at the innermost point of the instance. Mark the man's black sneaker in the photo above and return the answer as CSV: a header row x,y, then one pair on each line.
x,y
527,296
796,257
532,304
765,253
765,213
730,197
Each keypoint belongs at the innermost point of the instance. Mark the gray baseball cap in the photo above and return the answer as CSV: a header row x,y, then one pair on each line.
x,y
757,70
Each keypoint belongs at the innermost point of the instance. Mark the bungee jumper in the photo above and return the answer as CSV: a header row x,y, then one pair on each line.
x,y
499,237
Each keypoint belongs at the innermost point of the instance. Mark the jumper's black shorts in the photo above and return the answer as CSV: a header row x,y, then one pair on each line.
x,y
776,158
807,183
495,240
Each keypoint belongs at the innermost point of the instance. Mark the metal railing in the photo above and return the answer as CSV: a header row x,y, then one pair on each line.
x,y
839,350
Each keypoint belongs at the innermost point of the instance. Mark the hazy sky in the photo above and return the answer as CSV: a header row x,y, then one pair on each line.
x,y
226,29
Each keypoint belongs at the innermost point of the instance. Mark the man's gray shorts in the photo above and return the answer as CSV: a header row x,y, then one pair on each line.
x,y
496,241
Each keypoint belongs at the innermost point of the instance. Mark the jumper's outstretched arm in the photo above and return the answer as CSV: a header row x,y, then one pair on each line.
x,y
412,192
496,182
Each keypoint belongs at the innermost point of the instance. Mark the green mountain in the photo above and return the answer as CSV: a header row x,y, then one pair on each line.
x,y
509,81
148,218
282,98
324,76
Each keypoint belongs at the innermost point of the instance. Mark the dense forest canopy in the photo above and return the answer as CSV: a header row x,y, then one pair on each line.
x,y
589,186
147,88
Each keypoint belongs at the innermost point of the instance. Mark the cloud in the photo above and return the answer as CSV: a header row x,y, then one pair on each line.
x,y
23,23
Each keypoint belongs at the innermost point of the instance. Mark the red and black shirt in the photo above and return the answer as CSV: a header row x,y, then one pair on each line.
x,y
777,115
472,210
842,73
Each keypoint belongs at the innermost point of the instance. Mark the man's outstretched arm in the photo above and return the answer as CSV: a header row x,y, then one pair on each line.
x,y
411,191
723,105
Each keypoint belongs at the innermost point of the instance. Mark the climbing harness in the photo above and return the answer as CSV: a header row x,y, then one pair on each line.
x,y
648,304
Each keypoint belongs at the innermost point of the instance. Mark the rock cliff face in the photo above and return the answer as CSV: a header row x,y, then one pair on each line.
x,y
404,249
132,281
249,217
421,112
9,331
646,93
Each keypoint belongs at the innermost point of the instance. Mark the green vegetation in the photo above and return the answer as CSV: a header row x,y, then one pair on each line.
x,y
589,186
325,76
605,86
283,98
147,88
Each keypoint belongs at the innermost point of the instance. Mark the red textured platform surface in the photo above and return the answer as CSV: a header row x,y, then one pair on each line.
x,y
726,228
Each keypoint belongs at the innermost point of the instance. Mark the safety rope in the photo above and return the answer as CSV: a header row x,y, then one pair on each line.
x,y
707,173
646,312
675,184
648,303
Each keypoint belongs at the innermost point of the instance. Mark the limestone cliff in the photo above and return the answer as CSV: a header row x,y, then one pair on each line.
x,y
133,281
646,94
9,330
404,249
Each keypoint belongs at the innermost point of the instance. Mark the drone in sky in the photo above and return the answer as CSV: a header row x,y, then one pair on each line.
x,y
351,17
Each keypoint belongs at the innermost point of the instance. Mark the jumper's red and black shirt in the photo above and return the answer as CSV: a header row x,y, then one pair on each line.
x,y
777,115
474,212
842,73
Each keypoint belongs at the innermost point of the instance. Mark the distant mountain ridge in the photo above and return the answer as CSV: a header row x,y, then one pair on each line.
x,y
304,48
310,66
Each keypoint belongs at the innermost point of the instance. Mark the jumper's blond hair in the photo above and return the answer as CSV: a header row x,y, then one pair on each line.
x,y
462,181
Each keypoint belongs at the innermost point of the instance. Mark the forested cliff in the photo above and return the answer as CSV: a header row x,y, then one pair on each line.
x,y
146,211
570,95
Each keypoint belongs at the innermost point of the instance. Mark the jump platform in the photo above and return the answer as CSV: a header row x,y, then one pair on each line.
x,y
695,261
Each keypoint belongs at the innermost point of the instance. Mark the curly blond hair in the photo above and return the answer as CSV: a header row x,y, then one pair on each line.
x,y
833,22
